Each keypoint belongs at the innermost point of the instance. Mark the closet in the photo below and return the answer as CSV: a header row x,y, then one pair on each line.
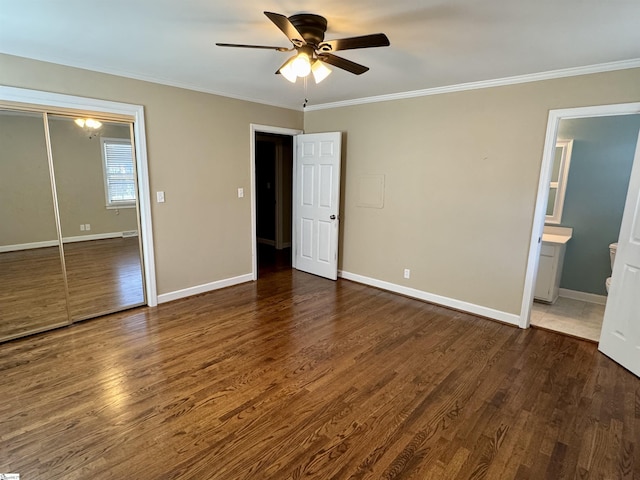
x,y
70,246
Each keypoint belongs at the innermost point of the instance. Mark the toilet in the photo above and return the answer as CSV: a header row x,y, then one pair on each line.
x,y
612,254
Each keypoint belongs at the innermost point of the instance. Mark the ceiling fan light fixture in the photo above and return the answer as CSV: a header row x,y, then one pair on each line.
x,y
288,72
301,64
91,123
320,71
88,123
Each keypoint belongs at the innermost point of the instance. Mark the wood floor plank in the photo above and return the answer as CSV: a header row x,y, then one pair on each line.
x,y
297,377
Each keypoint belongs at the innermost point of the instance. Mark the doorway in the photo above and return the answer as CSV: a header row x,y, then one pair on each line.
x,y
272,153
273,201
597,176
567,312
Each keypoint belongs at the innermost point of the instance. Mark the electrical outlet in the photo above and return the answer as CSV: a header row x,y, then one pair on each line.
x,y
407,273
160,197
87,226
82,227
240,192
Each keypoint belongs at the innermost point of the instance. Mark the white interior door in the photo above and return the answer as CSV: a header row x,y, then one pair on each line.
x,y
620,336
316,203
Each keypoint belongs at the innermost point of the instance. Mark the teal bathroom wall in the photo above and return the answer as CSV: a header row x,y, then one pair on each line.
x,y
603,151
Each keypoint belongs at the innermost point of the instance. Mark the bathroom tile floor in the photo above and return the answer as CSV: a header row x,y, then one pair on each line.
x,y
572,317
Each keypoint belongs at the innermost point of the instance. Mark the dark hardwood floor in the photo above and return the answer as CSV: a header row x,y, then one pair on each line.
x,y
296,377
271,260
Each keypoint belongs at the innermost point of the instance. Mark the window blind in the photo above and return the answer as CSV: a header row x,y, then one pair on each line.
x,y
119,173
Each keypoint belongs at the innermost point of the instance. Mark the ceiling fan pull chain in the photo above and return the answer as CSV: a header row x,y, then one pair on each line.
x,y
306,100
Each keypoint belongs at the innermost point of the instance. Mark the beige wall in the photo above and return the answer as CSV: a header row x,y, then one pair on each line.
x,y
198,151
461,173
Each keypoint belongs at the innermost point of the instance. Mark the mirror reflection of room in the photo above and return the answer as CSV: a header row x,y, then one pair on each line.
x,y
32,288
92,211
95,182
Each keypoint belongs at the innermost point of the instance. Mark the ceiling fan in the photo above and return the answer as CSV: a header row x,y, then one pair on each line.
x,y
306,33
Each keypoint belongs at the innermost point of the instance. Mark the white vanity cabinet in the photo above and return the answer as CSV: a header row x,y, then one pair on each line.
x,y
554,243
549,272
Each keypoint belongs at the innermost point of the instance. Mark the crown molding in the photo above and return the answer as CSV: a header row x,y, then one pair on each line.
x,y
498,82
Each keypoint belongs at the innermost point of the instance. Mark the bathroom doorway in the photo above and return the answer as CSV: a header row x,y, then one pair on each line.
x,y
597,182
597,133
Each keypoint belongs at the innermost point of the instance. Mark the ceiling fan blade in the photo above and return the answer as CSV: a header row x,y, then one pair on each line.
x,y
365,41
238,45
343,63
287,28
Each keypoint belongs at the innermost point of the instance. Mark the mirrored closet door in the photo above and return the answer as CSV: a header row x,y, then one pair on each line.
x,y
32,284
70,247
93,163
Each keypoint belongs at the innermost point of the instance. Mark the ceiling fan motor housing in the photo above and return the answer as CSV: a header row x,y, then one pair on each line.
x,y
311,27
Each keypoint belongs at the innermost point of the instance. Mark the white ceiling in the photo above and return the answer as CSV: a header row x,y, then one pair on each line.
x,y
433,43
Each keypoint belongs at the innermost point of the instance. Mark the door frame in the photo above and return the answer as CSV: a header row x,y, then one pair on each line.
x,y
70,104
253,129
555,116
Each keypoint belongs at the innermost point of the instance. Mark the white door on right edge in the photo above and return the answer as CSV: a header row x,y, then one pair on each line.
x,y
620,336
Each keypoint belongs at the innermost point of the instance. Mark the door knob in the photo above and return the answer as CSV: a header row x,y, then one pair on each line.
x,y
332,217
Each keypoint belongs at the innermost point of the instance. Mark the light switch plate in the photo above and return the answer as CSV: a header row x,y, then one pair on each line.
x,y
160,197
240,192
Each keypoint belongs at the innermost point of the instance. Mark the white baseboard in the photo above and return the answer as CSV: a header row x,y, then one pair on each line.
x,y
96,236
28,246
54,243
207,287
583,296
505,317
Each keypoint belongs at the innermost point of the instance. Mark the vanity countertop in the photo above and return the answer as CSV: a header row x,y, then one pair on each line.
x,y
550,238
558,235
